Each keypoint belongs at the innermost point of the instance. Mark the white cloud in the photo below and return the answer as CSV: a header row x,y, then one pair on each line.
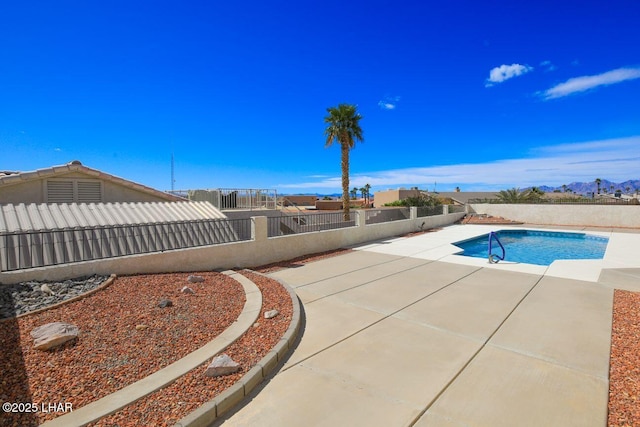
x,y
389,102
584,83
613,159
506,72
548,66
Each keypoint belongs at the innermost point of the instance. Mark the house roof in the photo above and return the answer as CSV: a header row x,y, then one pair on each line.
x,y
23,217
12,178
463,197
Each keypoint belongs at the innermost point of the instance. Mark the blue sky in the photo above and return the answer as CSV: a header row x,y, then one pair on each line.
x,y
476,94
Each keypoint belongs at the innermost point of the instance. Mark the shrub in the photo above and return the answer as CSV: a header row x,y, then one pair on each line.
x,y
419,201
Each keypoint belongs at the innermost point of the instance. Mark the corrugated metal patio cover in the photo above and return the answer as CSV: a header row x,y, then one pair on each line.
x,y
55,216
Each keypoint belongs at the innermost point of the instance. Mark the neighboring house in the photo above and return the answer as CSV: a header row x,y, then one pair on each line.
x,y
381,198
295,200
458,197
75,183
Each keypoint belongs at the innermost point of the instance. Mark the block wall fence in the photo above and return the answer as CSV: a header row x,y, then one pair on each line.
x,y
260,250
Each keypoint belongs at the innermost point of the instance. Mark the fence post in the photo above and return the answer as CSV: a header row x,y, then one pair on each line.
x,y
360,218
445,209
259,228
413,212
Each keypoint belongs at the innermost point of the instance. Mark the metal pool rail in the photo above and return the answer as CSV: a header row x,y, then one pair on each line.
x,y
494,258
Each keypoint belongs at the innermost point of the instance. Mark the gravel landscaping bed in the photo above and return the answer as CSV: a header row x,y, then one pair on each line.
x,y
624,374
169,405
110,352
30,296
301,260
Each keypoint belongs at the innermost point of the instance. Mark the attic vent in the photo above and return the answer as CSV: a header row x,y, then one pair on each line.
x,y
72,190
89,192
59,191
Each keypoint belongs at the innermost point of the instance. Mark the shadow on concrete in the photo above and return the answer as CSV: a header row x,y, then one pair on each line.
x,y
14,384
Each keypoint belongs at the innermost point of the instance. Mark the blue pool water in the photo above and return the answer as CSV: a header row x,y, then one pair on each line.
x,y
537,247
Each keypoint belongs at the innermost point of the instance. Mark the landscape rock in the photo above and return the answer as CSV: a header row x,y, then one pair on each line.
x,y
271,313
52,335
195,279
165,303
187,290
141,327
46,289
222,365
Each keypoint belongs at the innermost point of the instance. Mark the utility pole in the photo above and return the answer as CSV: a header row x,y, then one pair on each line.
x,y
172,174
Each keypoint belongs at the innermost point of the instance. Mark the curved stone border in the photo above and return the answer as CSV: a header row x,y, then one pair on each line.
x,y
159,379
102,286
215,408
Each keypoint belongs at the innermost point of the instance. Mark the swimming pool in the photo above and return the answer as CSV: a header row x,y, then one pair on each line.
x,y
537,247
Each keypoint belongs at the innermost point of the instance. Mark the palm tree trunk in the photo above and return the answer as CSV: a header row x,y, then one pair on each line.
x,y
345,180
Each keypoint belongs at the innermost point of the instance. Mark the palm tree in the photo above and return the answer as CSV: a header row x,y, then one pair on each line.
x,y
598,181
344,128
514,195
367,197
354,192
535,194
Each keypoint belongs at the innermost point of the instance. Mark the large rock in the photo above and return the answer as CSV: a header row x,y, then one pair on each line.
x,y
222,365
46,289
52,335
187,290
165,303
195,279
271,313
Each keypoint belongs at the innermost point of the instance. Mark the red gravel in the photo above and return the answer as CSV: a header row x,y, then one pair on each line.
x,y
110,353
487,219
624,374
169,405
299,261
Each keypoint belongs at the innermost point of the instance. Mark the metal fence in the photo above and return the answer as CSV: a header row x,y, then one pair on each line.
x,y
376,216
307,223
423,211
52,247
233,198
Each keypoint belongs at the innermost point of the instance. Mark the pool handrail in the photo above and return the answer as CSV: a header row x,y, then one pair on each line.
x,y
494,258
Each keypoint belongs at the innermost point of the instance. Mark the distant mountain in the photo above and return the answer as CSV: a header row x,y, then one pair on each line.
x,y
606,186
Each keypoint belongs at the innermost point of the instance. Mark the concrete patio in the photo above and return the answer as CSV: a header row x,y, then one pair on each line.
x,y
402,332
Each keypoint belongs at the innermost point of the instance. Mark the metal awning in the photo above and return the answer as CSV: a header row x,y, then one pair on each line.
x,y
57,216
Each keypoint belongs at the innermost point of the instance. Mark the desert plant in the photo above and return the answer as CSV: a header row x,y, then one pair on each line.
x,y
419,201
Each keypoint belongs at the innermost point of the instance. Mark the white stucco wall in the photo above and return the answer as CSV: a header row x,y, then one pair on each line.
x,y
582,215
259,251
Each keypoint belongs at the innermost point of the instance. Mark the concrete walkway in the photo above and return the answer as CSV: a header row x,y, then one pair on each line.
x,y
394,338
